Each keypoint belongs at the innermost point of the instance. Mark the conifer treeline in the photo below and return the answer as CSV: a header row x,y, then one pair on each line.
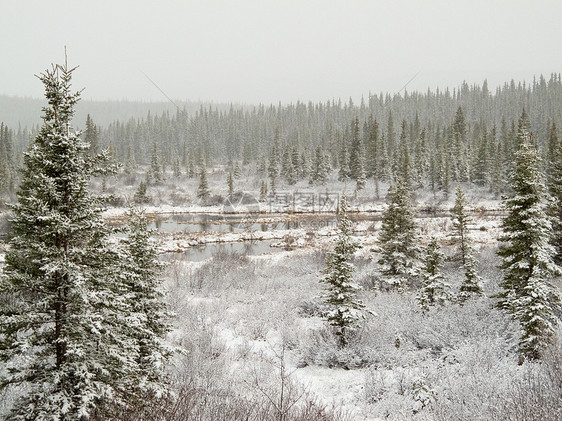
x,y
469,134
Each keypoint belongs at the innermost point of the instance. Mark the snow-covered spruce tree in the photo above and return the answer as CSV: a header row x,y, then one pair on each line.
x,y
91,136
398,239
273,169
155,168
230,184
357,156
555,189
322,167
527,255
345,310
140,196
434,289
461,237
460,220
140,270
344,171
472,283
62,333
6,159
263,191
203,188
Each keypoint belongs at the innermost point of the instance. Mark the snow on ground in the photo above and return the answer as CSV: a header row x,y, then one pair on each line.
x,y
244,326
336,387
231,317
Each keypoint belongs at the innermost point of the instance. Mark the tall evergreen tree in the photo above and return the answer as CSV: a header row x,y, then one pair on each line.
x,y
375,155
555,190
524,129
357,154
263,191
421,160
191,167
91,136
527,254
203,188
289,170
273,167
343,159
481,161
63,331
296,161
130,163
461,237
553,143
498,169
6,160
156,171
390,147
304,165
460,148
176,167
345,310
460,219
398,239
230,184
321,168
403,165
237,171
141,276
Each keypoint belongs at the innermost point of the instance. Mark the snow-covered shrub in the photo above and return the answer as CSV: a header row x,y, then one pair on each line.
x,y
391,394
178,199
313,307
537,393
378,383
322,348
445,328
423,395
482,382
263,390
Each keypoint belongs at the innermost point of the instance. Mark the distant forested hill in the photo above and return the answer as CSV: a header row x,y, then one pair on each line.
x,y
467,134
26,112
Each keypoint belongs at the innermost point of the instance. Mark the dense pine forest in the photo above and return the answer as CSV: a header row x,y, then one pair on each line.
x,y
468,134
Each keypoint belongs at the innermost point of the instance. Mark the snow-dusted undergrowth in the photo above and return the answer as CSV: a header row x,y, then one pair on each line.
x,y
256,324
256,344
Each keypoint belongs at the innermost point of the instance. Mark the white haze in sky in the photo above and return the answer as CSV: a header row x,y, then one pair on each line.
x,y
268,51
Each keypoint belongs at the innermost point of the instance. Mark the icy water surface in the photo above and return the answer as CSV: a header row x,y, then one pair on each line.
x,y
238,223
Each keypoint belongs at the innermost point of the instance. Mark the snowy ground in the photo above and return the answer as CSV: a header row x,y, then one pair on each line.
x,y
259,306
252,327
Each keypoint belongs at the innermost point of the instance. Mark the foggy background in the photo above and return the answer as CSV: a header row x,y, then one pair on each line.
x,y
269,51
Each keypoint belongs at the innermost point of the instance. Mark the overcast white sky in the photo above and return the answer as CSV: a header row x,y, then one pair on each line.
x,y
269,51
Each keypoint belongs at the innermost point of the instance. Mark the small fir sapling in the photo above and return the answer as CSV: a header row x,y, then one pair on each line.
x,y
434,289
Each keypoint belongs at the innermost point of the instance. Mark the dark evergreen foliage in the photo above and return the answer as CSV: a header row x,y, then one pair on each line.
x,y
527,254
454,126
434,289
344,309
67,305
73,342
398,239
